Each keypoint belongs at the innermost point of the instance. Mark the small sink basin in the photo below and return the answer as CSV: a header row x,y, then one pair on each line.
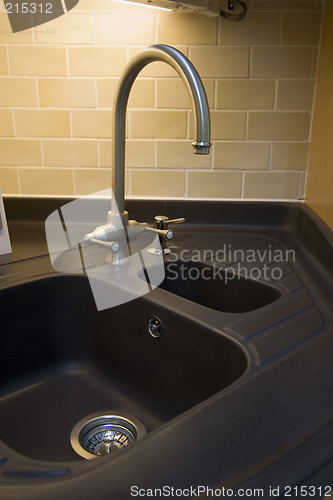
x,y
61,360
201,283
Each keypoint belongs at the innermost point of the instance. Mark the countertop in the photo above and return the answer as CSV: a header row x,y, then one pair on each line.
x,y
274,426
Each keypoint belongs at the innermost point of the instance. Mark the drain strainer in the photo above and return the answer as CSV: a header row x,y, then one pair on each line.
x,y
98,434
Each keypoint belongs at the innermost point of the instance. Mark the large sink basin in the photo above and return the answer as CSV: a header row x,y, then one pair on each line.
x,y
61,360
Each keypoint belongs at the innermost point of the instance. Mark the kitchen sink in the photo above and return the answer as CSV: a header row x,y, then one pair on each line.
x,y
213,287
61,360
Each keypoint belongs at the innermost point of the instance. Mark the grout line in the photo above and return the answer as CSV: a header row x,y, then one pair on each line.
x,y
270,155
8,65
98,154
96,92
14,124
155,92
242,185
276,88
155,153
42,152
74,186
37,89
64,6
71,124
67,62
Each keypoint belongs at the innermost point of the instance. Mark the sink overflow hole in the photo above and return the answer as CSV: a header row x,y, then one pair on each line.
x,y
155,327
99,435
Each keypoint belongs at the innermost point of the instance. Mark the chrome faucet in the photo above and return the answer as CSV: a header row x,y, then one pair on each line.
x,y
117,218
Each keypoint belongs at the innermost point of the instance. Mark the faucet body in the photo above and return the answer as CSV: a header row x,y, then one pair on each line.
x,y
117,218
197,94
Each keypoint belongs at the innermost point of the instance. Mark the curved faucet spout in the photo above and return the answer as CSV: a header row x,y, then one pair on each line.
x,y
197,95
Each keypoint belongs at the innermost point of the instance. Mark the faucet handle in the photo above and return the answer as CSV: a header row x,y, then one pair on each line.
x,y
161,221
112,245
175,221
166,233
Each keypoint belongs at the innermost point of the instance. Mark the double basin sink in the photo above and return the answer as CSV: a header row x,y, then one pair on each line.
x,y
61,360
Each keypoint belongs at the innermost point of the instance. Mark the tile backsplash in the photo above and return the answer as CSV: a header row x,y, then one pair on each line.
x,y
58,81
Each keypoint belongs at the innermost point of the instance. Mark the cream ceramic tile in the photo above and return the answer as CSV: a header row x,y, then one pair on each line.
x,y
20,152
295,94
9,181
42,123
270,126
70,153
142,94
157,183
3,60
221,62
225,125
138,153
192,29
281,62
6,123
214,184
158,124
92,123
256,28
271,185
157,69
90,181
290,156
301,28
106,89
66,93
241,156
105,153
281,5
245,94
172,93
37,61
18,92
99,5
97,61
46,181
302,183
179,154
72,28
127,28
8,37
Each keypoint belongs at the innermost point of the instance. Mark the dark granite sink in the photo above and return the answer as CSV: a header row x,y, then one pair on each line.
x,y
61,360
236,393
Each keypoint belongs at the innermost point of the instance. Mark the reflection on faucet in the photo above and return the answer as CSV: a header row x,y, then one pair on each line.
x,y
117,217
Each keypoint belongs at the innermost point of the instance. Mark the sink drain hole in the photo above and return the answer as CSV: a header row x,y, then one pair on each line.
x,y
99,435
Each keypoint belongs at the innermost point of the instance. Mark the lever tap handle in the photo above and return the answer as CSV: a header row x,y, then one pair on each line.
x,y
167,234
175,221
112,245
161,221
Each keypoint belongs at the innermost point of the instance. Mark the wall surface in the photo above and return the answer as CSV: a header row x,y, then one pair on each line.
x,y
319,189
58,82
